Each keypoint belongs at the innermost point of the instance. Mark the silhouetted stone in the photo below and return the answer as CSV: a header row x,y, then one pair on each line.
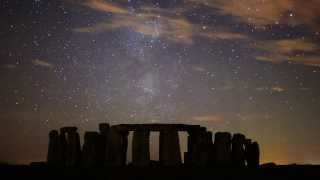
x,y
118,144
222,148
210,150
103,143
62,147
124,147
209,138
187,158
109,146
169,154
254,157
198,142
247,149
190,149
69,147
238,151
90,150
140,148
197,147
192,155
73,149
206,148
53,149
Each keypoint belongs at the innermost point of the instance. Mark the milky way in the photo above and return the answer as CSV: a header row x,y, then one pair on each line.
x,y
250,66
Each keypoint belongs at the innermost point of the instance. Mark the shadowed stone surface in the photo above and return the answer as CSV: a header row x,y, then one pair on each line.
x,y
222,148
118,141
206,148
238,151
169,154
248,150
62,147
69,147
53,149
73,150
90,150
199,147
254,158
104,129
191,150
140,148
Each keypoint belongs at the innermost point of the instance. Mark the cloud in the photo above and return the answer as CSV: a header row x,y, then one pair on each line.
x,y
288,46
252,11
250,116
103,6
198,69
291,45
278,89
207,118
227,118
268,12
300,51
312,60
42,63
172,24
223,35
155,22
176,29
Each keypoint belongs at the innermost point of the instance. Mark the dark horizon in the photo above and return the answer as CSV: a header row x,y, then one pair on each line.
x,y
247,66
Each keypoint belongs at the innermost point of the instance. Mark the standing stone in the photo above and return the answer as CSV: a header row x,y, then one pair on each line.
x,y
206,148
247,149
124,147
187,158
103,143
238,151
62,147
117,150
201,158
191,148
169,148
53,149
206,144
140,148
222,148
209,138
114,146
90,150
198,140
69,147
254,156
65,145
192,156
73,149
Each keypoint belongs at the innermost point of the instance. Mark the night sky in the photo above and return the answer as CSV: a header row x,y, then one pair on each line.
x,y
249,66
